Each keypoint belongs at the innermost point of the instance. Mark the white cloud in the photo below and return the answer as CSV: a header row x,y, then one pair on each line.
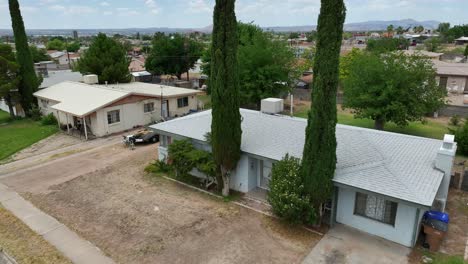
x,y
73,10
152,6
104,4
199,6
125,11
107,13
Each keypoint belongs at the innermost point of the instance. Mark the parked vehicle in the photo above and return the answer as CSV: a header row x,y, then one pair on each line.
x,y
142,136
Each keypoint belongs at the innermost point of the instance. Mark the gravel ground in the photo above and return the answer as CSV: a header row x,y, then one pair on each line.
x,y
104,195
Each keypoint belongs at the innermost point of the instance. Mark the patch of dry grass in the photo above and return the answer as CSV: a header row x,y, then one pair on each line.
x,y
23,244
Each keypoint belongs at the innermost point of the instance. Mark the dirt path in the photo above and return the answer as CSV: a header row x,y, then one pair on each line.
x,y
104,195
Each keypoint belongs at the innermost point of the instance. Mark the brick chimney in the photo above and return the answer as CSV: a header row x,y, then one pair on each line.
x,y
444,162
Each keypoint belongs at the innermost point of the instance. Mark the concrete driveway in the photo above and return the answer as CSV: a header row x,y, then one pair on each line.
x,y
343,244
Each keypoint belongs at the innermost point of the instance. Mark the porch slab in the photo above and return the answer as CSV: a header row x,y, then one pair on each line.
x,y
344,244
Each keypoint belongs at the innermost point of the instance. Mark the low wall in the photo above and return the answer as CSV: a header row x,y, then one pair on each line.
x,y
451,110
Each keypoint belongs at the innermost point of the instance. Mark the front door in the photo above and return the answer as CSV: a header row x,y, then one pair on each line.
x,y
466,85
265,176
164,109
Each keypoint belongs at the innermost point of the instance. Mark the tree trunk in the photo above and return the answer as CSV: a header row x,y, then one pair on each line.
x,y
319,216
225,174
379,123
179,76
188,77
10,105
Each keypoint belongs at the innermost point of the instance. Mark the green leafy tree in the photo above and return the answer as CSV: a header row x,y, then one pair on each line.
x,y
29,81
346,61
456,32
174,54
73,46
432,44
399,30
226,119
106,58
293,35
319,155
461,137
38,54
392,88
287,195
418,29
9,76
266,66
386,44
443,30
466,52
390,29
56,44
311,36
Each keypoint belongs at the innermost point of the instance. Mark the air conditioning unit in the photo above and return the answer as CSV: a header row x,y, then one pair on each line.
x,y
272,105
91,79
439,205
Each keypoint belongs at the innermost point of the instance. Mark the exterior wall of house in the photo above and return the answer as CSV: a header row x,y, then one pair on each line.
x,y
455,84
174,110
401,233
131,115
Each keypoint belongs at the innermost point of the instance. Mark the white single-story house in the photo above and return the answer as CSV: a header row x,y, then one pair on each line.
x,y
101,110
384,182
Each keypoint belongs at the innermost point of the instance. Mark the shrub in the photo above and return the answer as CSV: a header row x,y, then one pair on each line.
x,y
461,137
287,196
49,120
185,157
455,120
35,113
158,166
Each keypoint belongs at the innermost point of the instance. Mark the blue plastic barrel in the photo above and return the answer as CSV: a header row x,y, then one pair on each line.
x,y
440,216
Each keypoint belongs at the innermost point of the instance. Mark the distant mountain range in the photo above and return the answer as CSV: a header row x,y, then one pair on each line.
x,y
360,26
365,26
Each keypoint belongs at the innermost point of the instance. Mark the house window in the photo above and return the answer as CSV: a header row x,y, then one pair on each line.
x,y
149,107
182,102
376,208
443,82
113,116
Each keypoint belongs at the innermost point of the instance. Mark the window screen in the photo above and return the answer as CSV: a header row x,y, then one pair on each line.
x,y
149,107
182,102
113,116
375,207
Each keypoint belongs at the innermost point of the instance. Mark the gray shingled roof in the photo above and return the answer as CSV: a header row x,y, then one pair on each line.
x,y
391,164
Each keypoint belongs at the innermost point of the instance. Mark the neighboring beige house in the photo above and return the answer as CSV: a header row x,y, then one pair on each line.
x,y
452,76
99,110
424,53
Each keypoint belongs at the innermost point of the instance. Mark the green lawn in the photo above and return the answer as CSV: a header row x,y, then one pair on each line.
x,y
206,99
19,134
4,116
430,129
440,258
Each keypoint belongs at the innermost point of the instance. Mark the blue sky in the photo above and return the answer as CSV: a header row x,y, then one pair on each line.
x,y
198,13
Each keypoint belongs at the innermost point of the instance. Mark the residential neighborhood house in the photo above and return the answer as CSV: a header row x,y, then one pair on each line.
x,y
452,76
384,182
99,110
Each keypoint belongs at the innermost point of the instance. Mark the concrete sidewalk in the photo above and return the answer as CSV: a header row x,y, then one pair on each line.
x,y
343,244
66,241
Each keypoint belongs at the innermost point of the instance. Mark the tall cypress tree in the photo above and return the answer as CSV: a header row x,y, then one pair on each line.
x,y
319,156
29,82
226,119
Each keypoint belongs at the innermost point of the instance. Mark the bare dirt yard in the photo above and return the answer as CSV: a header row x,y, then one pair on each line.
x,y
104,195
